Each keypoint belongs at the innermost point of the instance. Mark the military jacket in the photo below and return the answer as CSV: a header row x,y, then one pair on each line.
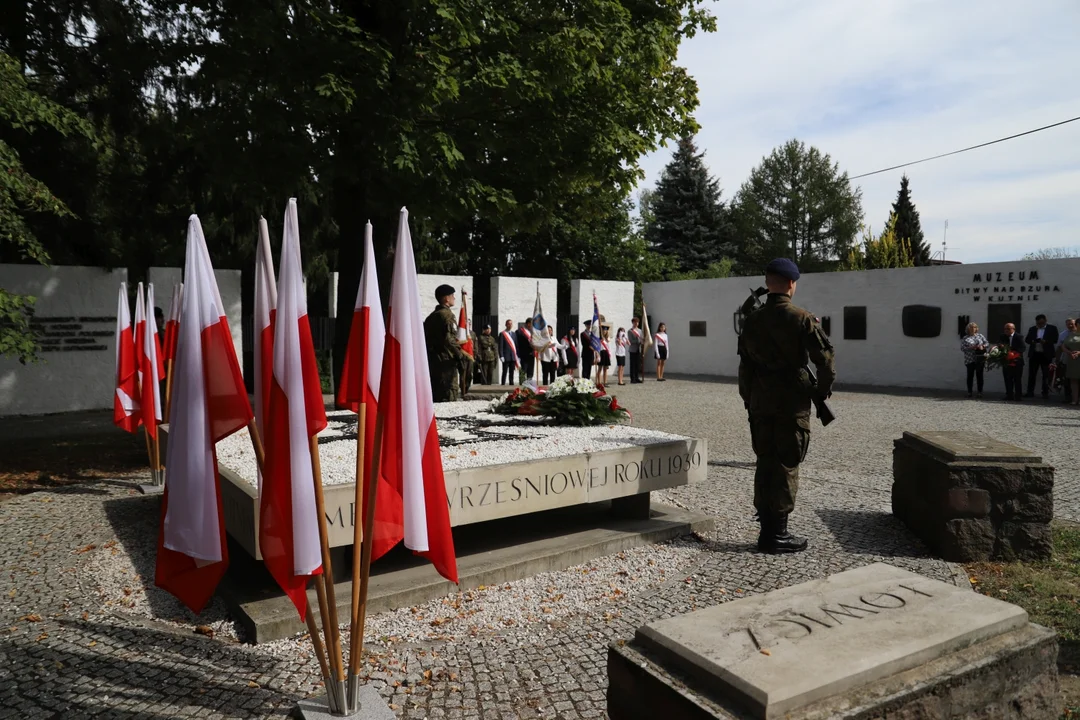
x,y
775,345
440,335
488,350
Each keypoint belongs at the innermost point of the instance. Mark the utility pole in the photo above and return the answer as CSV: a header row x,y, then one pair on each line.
x,y
944,239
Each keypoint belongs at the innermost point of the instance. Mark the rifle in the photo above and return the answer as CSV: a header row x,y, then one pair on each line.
x,y
754,303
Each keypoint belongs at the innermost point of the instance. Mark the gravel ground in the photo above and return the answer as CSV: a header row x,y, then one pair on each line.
x,y
83,633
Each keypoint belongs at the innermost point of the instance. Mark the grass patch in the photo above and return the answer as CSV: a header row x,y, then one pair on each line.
x,y
1050,592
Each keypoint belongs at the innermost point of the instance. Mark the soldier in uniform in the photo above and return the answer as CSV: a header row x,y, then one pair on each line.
x,y
445,355
776,342
487,354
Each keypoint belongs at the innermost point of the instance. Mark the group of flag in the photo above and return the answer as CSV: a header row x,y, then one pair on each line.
x,y
385,377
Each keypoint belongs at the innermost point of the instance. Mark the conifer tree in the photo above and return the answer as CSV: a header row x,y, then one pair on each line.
x,y
689,221
907,224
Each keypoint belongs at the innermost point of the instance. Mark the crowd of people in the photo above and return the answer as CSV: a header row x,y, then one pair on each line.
x,y
1052,359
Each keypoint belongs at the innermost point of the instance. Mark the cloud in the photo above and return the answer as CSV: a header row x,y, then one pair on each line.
x,y
882,83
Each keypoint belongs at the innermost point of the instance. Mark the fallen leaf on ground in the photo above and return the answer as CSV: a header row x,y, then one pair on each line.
x,y
205,630
92,643
252,684
85,549
33,617
765,651
42,636
11,594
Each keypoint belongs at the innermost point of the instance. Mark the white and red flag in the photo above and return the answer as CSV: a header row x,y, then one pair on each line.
x,y
288,521
463,326
148,361
209,402
172,323
410,457
126,410
360,383
265,309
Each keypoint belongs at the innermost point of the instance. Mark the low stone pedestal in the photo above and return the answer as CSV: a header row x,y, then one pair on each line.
x,y
970,497
868,643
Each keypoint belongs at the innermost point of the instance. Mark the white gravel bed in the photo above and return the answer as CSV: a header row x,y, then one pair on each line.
x,y
457,421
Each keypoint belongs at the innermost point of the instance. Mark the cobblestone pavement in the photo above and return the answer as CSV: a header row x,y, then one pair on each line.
x,y
84,634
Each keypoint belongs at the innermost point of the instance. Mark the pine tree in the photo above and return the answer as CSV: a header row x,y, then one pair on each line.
x,y
907,224
689,221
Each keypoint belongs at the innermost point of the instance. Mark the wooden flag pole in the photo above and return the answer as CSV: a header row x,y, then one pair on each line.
x,y
320,653
359,535
330,619
168,389
157,458
150,453
369,536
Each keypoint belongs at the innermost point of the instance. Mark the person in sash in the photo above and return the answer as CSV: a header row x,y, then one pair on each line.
x,y
570,351
588,354
550,350
605,356
508,354
661,351
525,350
622,342
637,340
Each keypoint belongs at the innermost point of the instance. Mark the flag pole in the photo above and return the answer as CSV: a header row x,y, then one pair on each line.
x,y
359,536
157,458
369,537
150,453
168,389
256,444
324,584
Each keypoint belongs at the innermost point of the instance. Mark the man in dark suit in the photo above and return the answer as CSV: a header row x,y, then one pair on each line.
x,y
1041,340
523,339
588,355
1013,373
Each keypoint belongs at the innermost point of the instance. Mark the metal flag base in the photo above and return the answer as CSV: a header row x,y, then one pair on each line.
x,y
157,483
371,706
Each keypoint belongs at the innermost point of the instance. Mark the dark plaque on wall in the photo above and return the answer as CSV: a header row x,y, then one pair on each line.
x,y
855,323
922,321
997,314
697,328
961,324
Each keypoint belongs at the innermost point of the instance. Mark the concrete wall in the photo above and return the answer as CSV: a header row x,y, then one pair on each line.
x,y
615,299
514,298
427,285
228,282
76,308
886,357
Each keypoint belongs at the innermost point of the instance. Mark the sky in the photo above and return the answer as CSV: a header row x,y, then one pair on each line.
x,y
877,84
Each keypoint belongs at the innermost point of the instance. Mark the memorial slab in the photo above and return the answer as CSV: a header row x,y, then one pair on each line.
x,y
782,651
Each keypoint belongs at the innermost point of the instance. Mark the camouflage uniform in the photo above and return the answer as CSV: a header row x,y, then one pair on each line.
x,y
488,351
444,353
774,347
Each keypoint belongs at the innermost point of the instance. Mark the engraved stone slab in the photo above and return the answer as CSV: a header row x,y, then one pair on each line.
x,y
781,651
962,445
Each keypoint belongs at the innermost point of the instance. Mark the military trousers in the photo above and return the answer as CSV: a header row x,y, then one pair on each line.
x,y
780,443
445,381
487,369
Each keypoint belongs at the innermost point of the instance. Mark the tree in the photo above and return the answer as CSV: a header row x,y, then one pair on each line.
x,y
22,111
797,204
907,224
887,250
687,221
1054,253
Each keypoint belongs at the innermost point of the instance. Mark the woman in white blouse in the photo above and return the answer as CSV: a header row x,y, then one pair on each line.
x,y
622,342
661,350
550,356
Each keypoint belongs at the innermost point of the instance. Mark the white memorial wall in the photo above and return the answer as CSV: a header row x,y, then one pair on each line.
x,y
700,317
427,285
76,314
228,282
615,299
514,298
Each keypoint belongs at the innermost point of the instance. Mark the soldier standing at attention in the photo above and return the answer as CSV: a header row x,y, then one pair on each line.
x,y
445,355
488,353
776,342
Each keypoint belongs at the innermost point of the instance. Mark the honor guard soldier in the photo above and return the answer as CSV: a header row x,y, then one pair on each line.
x,y
488,353
445,356
776,387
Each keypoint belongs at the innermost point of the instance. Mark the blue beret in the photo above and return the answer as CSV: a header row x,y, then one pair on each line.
x,y
784,268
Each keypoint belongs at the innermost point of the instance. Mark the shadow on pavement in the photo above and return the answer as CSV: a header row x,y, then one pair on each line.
x,y
872,532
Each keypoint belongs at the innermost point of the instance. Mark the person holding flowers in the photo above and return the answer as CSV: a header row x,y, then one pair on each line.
x,y
974,346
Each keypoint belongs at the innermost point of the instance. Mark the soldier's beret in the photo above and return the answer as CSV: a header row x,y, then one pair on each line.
x,y
784,268
444,290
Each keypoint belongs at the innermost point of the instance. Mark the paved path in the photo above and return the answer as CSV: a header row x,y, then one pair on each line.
x,y
84,634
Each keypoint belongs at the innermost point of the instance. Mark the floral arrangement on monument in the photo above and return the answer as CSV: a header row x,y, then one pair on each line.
x,y
567,401
1000,356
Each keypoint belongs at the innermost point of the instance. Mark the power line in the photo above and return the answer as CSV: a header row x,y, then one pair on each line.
x,y
973,147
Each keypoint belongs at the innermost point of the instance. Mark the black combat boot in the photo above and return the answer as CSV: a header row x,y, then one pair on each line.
x,y
782,540
766,539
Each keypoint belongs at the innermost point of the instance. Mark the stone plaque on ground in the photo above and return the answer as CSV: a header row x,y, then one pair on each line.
x,y
781,652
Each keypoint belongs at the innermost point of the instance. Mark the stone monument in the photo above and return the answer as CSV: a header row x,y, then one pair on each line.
x,y
873,642
970,497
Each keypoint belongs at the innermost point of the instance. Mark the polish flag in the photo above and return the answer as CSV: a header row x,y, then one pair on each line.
x,y
410,458
147,360
126,412
288,521
172,323
463,326
209,402
265,304
360,383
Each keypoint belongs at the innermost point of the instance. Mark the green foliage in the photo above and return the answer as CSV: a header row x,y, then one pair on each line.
x,y
22,111
907,224
1054,253
686,219
797,204
887,250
